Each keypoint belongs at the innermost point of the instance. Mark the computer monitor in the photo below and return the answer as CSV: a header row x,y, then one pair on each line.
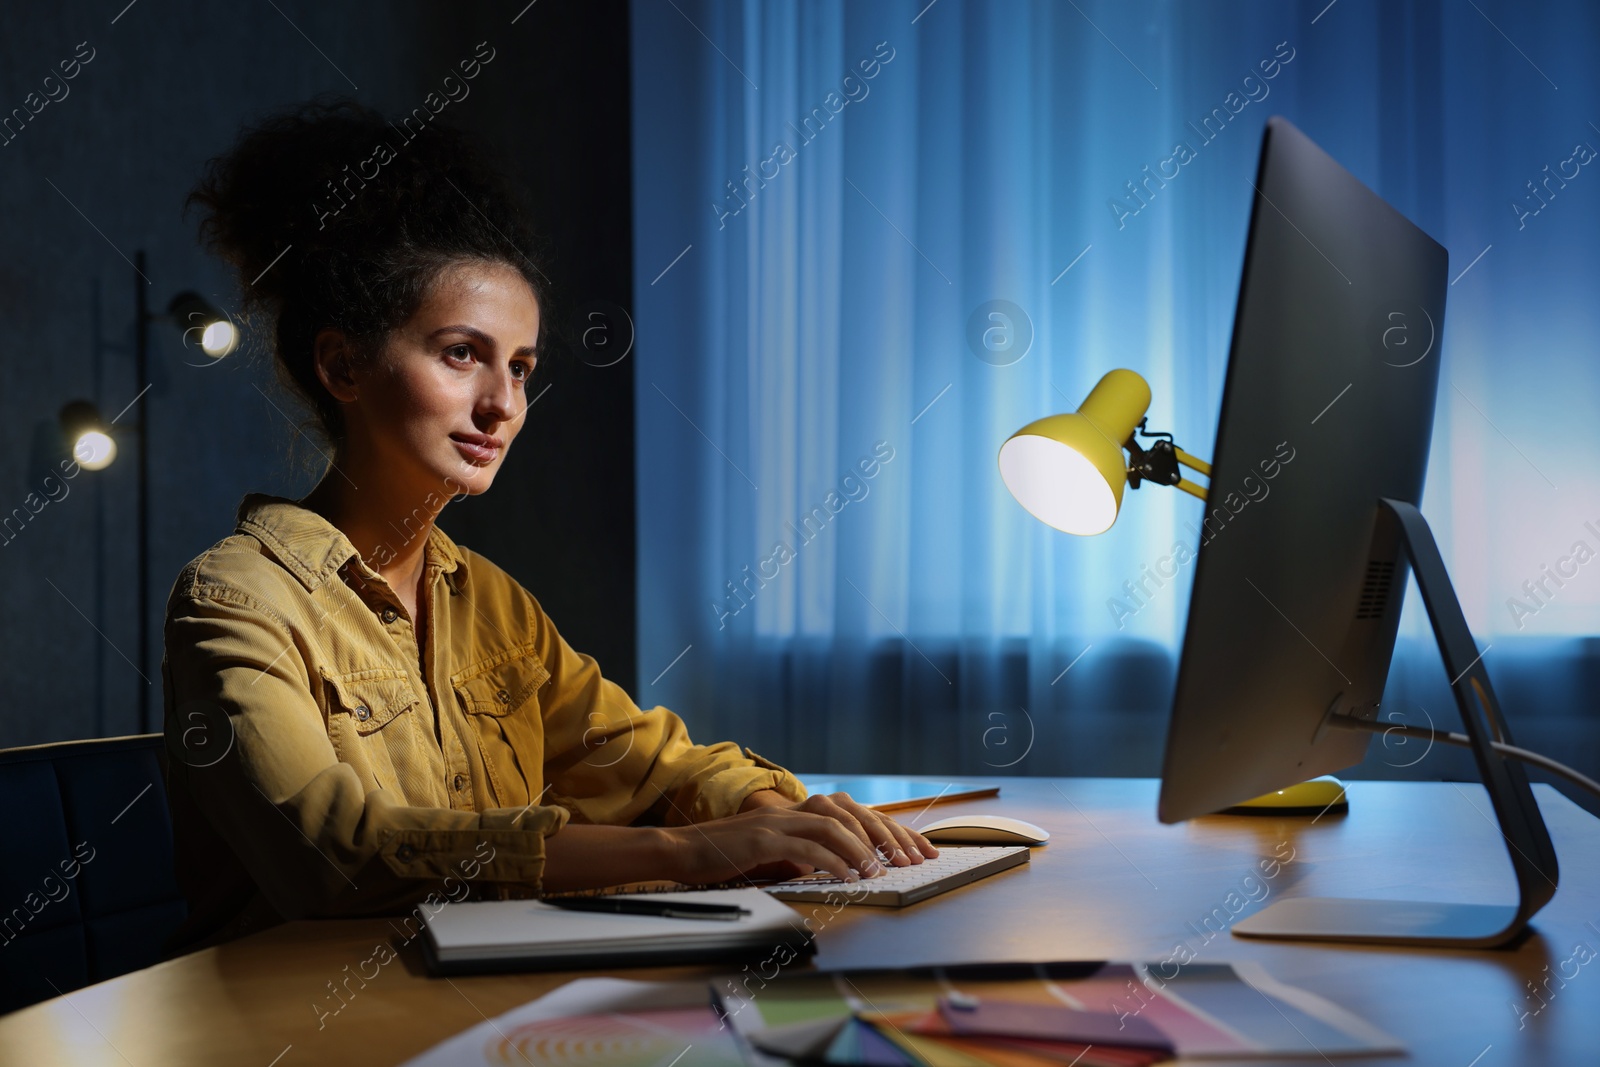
x,y
1312,527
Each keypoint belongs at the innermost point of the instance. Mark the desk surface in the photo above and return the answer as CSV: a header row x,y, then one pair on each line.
x,y
1112,884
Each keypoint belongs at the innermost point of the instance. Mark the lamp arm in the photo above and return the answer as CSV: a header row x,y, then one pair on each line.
x,y
1192,462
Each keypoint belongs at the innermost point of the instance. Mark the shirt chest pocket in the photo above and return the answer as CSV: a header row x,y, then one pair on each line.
x,y
500,696
372,724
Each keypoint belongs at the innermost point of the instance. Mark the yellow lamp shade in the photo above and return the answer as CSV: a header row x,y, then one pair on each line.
x,y
1069,470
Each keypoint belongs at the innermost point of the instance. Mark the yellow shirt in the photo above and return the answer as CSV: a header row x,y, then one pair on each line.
x,y
325,760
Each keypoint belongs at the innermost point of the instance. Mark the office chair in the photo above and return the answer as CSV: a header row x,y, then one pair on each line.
x,y
87,890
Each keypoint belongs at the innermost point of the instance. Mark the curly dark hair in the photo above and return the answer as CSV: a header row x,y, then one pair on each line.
x,y
332,216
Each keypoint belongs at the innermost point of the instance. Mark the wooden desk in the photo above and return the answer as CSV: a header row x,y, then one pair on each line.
x,y
1112,884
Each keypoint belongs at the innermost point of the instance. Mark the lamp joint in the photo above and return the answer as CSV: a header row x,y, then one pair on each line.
x,y
1158,463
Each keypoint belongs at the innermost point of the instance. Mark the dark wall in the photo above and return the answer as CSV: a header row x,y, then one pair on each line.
x,y
564,524
100,172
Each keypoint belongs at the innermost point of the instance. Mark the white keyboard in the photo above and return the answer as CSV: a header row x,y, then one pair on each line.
x,y
899,886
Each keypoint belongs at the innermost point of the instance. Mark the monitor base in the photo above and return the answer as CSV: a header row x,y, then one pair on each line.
x,y
1517,815
1398,922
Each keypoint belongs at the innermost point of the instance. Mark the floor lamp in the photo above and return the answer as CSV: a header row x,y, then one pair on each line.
x,y
92,441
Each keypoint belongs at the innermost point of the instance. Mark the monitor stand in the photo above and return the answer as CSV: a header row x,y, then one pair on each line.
x,y
1533,857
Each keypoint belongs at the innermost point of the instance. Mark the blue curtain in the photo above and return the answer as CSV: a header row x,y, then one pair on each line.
x,y
874,239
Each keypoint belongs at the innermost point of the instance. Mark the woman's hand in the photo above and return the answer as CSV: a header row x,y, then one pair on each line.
x,y
774,838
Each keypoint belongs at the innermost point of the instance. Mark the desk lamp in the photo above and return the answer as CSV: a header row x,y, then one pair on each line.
x,y
1069,472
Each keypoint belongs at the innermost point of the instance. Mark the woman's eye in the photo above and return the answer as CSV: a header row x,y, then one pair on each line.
x,y
525,368
459,351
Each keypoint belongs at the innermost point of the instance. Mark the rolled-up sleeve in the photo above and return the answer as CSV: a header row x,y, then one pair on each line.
x,y
249,749
609,761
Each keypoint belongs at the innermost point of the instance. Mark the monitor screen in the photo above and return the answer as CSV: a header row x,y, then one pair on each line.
x,y
1327,406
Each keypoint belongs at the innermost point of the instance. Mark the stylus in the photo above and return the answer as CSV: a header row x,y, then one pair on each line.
x,y
665,909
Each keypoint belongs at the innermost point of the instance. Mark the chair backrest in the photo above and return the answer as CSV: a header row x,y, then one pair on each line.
x,y
87,890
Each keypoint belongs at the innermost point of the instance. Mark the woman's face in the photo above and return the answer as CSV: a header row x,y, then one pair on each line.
x,y
441,408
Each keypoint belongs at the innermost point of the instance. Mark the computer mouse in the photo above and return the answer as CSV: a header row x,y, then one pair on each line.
x,y
1314,797
983,830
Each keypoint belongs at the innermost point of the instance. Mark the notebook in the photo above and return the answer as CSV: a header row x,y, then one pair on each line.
x,y
478,936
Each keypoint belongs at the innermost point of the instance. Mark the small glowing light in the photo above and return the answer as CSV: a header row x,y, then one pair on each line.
x,y
219,338
94,450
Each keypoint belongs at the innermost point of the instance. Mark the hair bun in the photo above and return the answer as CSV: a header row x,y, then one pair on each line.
x,y
334,177
258,197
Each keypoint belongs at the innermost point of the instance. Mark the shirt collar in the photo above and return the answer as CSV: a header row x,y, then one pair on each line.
x,y
313,549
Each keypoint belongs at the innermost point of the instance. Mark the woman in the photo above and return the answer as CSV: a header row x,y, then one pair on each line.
x,y
361,713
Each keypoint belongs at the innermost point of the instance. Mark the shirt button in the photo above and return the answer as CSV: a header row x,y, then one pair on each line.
x,y
503,696
389,615
363,712
405,853
459,782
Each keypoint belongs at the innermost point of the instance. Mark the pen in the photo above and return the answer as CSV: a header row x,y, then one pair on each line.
x,y
665,909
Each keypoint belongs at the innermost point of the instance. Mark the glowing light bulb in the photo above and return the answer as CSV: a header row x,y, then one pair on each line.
x,y
219,338
94,450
